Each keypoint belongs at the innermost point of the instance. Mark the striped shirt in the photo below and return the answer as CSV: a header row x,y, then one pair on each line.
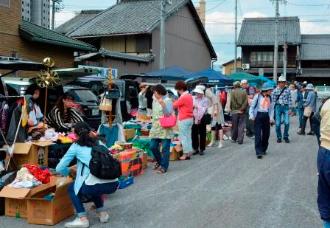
x,y
55,120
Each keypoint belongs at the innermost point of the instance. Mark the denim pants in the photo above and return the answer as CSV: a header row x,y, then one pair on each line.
x,y
92,192
326,224
323,187
163,159
282,111
262,132
301,117
185,134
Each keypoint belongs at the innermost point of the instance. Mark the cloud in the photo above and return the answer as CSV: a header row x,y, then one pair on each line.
x,y
254,14
314,28
63,16
220,23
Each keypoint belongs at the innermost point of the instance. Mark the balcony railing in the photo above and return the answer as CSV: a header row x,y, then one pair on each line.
x,y
266,64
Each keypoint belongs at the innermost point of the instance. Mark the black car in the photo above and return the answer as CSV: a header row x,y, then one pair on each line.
x,y
88,102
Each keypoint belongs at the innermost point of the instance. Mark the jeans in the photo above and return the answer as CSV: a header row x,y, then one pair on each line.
x,y
185,134
282,110
163,159
300,116
92,192
323,188
326,224
262,132
198,136
238,121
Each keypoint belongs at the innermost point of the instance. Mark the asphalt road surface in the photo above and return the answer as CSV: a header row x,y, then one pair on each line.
x,y
226,188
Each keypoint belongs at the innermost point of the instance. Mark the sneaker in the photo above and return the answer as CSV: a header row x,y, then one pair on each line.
x,y
104,217
225,137
279,140
201,153
196,152
259,156
287,140
77,223
220,145
212,144
301,133
311,133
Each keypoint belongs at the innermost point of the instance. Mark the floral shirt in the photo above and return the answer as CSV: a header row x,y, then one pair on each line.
x,y
200,108
157,131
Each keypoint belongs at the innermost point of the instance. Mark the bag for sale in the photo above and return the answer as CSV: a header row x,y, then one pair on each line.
x,y
105,104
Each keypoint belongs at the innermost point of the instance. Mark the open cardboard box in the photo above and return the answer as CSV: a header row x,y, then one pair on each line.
x,y
30,204
34,153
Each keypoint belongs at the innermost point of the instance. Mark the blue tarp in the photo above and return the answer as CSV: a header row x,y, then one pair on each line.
x,y
214,77
171,72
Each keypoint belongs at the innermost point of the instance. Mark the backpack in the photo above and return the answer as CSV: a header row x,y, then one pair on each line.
x,y
103,165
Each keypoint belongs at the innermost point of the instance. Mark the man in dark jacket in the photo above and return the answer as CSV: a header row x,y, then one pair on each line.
x,y
238,106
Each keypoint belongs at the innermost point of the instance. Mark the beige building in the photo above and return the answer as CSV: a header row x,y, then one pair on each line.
x,y
228,67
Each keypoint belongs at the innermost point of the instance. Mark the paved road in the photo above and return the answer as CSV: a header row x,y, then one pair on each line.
x,y
226,188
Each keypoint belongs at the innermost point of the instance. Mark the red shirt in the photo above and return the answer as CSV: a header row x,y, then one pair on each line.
x,y
185,106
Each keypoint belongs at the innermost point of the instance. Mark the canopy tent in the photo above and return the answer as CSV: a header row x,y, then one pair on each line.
x,y
214,77
174,72
265,79
252,79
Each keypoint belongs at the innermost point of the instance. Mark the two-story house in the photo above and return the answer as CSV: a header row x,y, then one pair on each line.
x,y
127,36
257,38
315,58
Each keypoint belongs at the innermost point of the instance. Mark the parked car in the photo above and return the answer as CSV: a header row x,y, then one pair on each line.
x,y
88,102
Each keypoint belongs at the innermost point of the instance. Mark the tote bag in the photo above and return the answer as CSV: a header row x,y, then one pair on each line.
x,y
308,111
106,104
167,121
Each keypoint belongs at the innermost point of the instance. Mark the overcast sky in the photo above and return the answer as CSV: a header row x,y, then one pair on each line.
x,y
314,16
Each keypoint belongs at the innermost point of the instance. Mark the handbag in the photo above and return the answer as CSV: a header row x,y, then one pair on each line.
x,y
105,104
167,121
206,119
112,94
308,111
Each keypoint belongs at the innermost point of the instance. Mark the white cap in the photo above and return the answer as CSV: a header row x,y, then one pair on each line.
x,y
282,79
198,90
201,87
244,81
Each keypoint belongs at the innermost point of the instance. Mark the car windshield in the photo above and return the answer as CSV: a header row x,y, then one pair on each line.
x,y
86,95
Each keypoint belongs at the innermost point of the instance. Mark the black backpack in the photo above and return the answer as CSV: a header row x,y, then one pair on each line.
x,y
103,165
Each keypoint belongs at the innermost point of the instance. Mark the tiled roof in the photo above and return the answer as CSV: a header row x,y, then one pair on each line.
x,y
117,55
134,17
127,17
261,31
77,21
37,33
315,47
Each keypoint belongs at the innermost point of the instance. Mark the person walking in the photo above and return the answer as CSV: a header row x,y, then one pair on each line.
x,y
300,105
198,135
323,166
282,100
262,113
185,108
162,106
238,106
294,97
250,91
218,120
309,109
85,185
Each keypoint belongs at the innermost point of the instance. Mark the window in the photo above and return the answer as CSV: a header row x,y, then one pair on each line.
x,y
143,44
5,3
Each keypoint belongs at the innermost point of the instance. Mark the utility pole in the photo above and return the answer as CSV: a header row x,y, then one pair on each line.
x,y
54,10
162,34
285,58
235,61
277,14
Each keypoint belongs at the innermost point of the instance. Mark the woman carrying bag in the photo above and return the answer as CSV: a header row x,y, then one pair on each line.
x,y
161,131
86,185
201,119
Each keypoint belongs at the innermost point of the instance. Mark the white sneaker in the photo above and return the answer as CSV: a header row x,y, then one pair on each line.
x,y
220,145
104,217
211,144
77,223
225,137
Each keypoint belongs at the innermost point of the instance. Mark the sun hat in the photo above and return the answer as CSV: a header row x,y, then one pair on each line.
x,y
198,90
244,81
237,83
201,87
267,86
309,87
282,79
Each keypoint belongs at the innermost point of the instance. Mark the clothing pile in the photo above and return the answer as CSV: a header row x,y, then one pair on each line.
x,y
30,176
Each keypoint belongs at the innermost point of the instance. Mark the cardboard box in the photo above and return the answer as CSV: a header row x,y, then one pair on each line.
x,y
35,153
44,212
16,198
